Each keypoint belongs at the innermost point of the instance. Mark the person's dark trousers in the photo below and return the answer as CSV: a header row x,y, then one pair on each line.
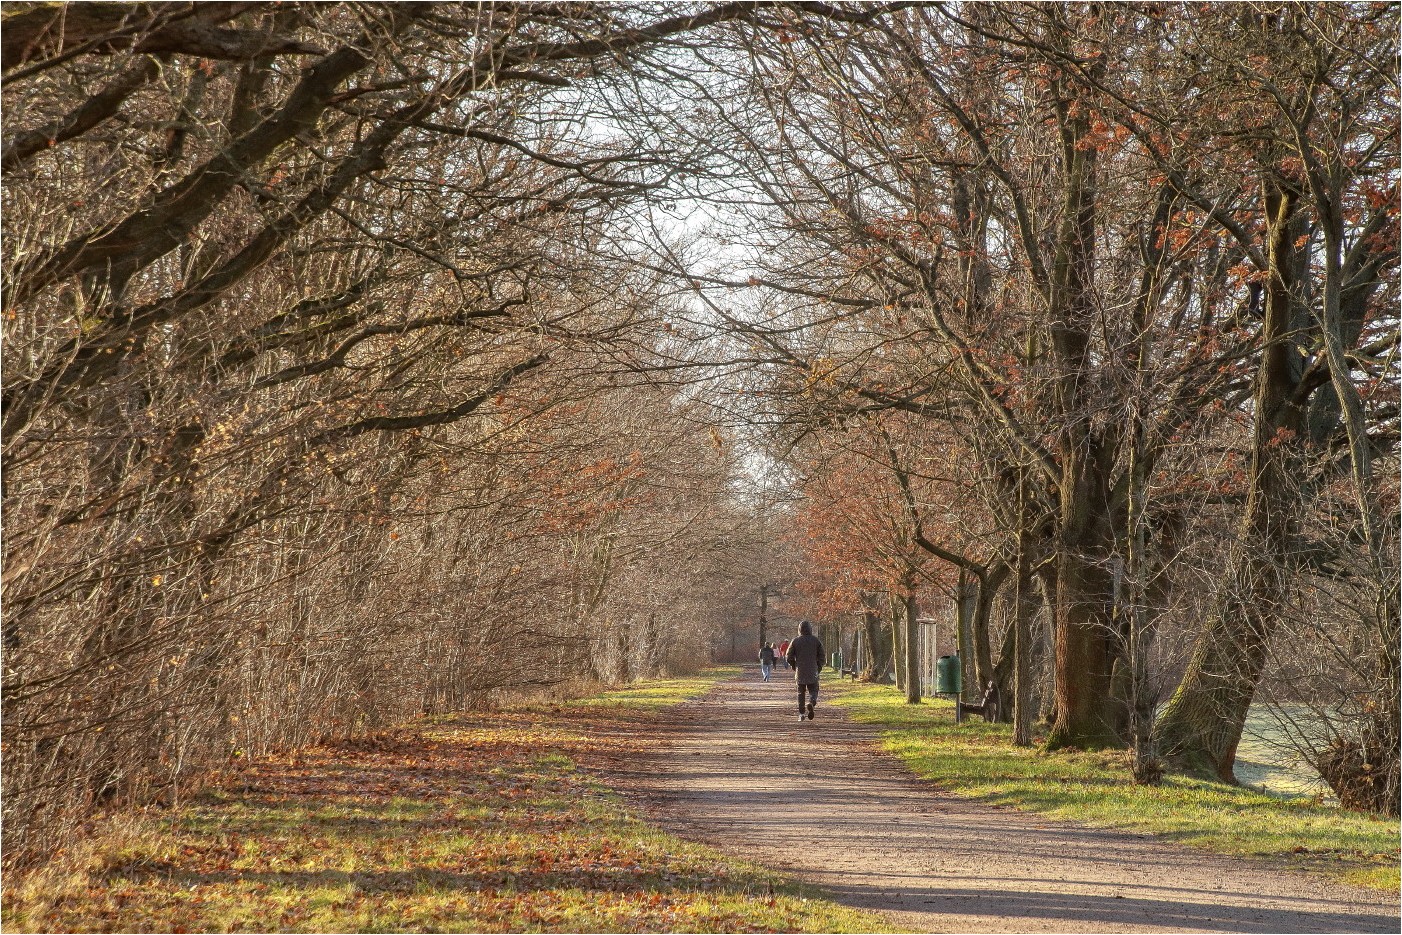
x,y
812,688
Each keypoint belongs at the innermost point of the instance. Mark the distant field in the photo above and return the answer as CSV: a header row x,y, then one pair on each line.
x,y
1265,758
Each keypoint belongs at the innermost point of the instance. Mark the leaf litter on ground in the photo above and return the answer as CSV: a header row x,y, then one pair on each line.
x,y
483,823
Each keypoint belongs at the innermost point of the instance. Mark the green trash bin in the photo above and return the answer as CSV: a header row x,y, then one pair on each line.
x,y
949,676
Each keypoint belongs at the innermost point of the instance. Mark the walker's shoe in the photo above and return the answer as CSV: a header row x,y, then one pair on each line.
x,y
802,716
810,712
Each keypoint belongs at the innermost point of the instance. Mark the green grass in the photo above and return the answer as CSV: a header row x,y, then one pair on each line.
x,y
486,823
659,693
978,760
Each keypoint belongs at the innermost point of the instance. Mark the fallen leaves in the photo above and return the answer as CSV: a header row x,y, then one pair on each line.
x,y
485,823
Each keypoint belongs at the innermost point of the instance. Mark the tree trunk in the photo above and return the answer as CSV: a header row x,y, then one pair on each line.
x,y
1147,767
1088,715
912,646
1084,656
1201,725
1024,608
1047,582
895,611
652,647
878,648
986,593
1085,715
965,600
624,648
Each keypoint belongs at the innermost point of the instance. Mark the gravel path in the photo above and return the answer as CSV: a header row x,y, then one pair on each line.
x,y
819,801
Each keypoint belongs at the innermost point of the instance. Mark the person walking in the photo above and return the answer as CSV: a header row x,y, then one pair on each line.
x,y
784,652
766,660
805,657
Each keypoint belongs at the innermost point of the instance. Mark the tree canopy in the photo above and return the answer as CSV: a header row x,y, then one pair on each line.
x,y
369,359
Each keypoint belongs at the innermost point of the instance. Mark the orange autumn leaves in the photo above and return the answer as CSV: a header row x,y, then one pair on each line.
x,y
856,531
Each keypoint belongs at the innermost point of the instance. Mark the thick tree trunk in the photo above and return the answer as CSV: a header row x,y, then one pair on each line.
x,y
966,598
1201,725
1086,715
878,647
986,588
1085,537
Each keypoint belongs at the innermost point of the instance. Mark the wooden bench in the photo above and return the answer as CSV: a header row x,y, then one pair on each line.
x,y
988,706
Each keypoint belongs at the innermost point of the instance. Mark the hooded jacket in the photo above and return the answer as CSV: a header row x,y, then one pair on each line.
x,y
806,655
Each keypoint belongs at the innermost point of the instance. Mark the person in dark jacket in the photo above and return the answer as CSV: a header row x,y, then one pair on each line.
x,y
766,660
805,657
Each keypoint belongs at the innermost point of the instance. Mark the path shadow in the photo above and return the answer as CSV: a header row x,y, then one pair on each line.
x,y
1115,913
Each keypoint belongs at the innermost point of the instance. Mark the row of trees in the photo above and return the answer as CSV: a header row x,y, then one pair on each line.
x,y
1091,309
323,404
366,359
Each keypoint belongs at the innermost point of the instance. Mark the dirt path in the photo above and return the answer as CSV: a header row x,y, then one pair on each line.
x,y
875,837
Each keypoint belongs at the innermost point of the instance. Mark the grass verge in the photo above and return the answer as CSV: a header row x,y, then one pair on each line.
x,y
480,823
977,760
